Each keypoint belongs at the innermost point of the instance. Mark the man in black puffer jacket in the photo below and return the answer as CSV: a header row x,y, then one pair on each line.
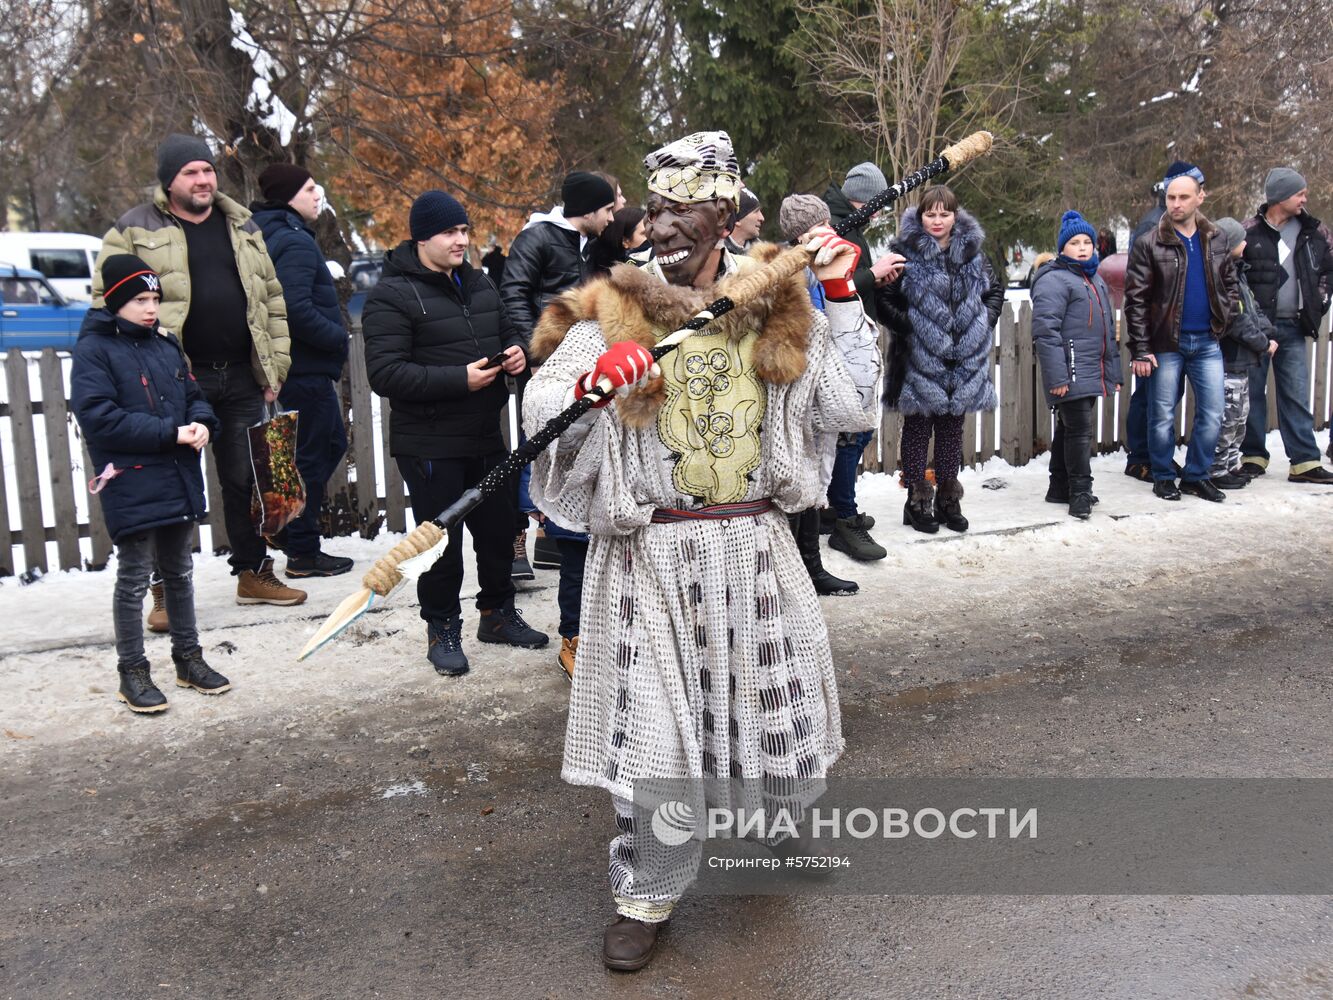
x,y
431,325
319,351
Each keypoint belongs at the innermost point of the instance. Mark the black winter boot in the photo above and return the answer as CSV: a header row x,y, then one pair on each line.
x,y
507,627
444,647
319,564
850,536
948,508
805,528
138,691
919,510
193,672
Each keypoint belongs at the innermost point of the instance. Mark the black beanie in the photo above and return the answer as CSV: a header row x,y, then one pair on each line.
x,y
176,151
124,276
748,204
434,212
583,193
280,182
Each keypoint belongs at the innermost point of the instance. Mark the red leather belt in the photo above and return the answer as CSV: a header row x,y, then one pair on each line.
x,y
716,512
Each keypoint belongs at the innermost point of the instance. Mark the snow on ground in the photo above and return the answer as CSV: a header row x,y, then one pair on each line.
x,y
57,664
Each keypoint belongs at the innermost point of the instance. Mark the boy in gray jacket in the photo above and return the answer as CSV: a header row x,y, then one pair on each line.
x,y
1248,337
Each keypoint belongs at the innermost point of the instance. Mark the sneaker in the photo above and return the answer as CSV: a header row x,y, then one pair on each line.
x,y
569,649
139,693
545,552
507,627
262,587
1166,489
1080,506
1231,481
320,564
522,569
1318,475
850,536
1140,471
1252,469
1203,489
444,647
193,672
157,616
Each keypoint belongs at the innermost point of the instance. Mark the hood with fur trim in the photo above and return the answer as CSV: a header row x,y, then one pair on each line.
x,y
964,244
634,304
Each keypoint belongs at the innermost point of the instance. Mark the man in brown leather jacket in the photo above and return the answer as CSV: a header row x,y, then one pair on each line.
x,y
1180,290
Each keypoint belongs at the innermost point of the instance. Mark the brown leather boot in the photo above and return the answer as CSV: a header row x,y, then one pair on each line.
x,y
263,587
157,617
628,944
569,648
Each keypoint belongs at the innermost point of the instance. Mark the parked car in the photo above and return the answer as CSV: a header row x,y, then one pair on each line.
x,y
66,259
365,271
34,315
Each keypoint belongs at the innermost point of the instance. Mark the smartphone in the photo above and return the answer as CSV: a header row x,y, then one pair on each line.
x,y
497,360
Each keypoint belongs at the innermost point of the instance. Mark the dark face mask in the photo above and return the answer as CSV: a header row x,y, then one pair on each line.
x,y
684,234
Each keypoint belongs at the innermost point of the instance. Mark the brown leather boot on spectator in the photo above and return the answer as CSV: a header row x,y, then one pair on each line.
x,y
263,587
569,649
157,617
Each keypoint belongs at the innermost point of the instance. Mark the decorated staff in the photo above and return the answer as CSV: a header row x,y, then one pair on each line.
x,y
384,576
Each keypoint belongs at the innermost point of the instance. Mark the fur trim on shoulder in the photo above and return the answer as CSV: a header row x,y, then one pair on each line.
x,y
633,304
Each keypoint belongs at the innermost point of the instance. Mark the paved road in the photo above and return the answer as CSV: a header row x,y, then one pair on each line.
x,y
391,849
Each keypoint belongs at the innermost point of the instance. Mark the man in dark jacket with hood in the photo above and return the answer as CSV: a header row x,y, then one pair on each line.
x,y
291,203
433,326
1290,254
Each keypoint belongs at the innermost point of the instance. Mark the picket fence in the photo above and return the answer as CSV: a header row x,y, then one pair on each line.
x,y
58,524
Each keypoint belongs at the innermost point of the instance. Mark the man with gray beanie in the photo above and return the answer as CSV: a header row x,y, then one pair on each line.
x,y
221,296
863,182
1290,254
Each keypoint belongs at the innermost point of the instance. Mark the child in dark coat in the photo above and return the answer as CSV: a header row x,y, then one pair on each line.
x,y
145,421
1073,334
1248,337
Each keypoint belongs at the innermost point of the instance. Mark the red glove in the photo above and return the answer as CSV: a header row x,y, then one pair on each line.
x,y
835,262
625,364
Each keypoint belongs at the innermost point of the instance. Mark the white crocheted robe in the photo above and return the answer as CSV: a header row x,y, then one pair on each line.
x,y
703,652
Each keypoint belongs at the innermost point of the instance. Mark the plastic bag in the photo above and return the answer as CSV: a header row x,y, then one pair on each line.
x,y
279,493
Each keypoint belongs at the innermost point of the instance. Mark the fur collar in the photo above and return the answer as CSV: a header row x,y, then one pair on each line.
x,y
963,246
633,304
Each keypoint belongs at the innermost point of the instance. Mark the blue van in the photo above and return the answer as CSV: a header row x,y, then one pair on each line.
x,y
33,315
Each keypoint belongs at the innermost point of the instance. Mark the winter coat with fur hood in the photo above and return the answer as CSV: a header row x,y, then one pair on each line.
x,y
942,312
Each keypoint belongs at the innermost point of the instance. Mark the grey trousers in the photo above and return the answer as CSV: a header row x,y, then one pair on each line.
x,y
135,555
1235,412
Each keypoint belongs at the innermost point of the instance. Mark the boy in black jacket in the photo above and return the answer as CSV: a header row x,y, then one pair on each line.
x,y
1248,337
145,421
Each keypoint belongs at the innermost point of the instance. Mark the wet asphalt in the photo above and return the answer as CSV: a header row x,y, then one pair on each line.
x,y
392,851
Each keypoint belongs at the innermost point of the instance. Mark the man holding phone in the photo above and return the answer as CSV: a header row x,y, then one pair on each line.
x,y
437,338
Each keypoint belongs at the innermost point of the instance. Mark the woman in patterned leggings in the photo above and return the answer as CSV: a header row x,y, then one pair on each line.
x,y
942,312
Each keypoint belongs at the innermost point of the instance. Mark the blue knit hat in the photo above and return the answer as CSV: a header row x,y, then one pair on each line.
x,y
1072,224
434,212
1181,169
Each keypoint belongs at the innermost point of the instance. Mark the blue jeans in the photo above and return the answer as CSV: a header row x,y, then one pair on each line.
x,y
1295,422
842,487
169,549
1199,359
573,556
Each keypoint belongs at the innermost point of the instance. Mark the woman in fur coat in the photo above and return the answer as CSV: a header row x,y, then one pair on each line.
x,y
942,312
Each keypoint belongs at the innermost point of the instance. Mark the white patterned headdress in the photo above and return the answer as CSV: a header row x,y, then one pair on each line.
x,y
699,167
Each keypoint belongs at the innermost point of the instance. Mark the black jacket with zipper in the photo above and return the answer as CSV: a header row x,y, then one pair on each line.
x,y
1314,267
422,328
